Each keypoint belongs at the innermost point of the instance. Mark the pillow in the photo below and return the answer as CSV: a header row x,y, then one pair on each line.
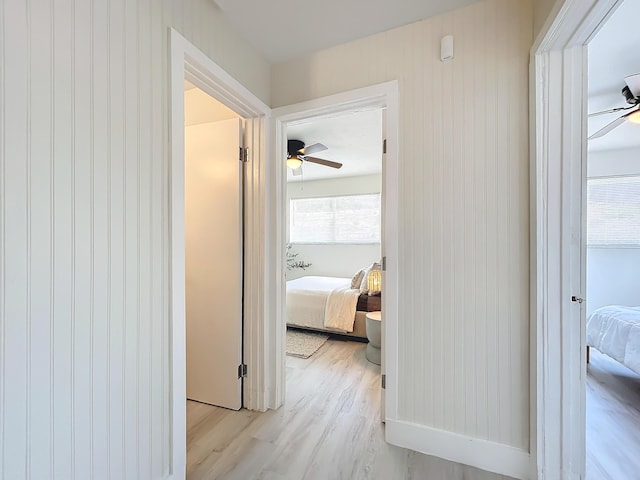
x,y
356,281
364,287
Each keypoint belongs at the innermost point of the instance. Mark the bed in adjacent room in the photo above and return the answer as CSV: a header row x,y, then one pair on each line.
x,y
329,304
615,331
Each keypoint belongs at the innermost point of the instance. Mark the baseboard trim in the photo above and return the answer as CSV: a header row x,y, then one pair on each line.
x,y
491,456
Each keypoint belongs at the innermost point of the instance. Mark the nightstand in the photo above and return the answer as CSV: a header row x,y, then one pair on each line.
x,y
374,324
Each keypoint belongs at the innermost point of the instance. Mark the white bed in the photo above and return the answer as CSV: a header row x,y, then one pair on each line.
x,y
307,299
615,331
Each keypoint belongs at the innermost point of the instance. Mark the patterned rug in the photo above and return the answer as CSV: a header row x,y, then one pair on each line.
x,y
304,344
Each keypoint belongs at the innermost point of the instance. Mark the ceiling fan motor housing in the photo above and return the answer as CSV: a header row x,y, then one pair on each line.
x,y
293,146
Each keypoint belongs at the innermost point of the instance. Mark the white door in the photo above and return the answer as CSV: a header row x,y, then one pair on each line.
x,y
213,250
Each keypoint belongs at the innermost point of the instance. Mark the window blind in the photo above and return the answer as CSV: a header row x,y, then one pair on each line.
x,y
340,219
613,211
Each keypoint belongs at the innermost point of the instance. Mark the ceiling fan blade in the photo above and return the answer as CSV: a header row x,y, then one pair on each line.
x,y
607,128
611,110
311,149
297,172
633,82
322,161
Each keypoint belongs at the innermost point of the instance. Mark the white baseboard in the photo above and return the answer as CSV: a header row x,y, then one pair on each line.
x,y
491,456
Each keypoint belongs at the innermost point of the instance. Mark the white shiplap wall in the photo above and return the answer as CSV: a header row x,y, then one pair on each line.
x,y
464,208
84,333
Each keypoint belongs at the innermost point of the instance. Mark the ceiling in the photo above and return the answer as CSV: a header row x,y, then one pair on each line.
x,y
353,139
202,108
285,29
614,54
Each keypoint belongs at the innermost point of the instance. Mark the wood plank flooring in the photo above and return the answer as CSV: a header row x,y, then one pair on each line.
x,y
613,420
329,429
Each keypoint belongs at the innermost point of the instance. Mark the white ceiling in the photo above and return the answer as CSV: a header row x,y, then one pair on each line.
x,y
614,53
202,108
285,29
353,139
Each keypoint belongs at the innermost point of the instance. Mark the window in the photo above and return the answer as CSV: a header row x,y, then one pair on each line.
x,y
346,219
613,211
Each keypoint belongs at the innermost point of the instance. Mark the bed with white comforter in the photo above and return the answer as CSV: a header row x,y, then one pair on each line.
x,y
322,303
615,331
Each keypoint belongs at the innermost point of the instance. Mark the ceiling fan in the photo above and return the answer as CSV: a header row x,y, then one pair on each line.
x,y
297,153
631,93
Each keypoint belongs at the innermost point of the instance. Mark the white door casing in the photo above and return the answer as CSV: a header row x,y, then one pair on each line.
x,y
213,253
558,176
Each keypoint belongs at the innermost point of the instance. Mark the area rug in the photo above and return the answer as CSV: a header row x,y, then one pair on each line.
x,y
304,344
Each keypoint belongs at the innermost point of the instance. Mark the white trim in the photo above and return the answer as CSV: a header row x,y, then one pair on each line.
x,y
558,177
383,95
189,62
490,456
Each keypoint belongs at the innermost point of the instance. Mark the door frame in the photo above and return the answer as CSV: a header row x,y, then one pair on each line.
x,y
558,139
187,61
384,95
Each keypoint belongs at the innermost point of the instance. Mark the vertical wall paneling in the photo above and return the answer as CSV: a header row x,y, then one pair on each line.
x,y
82,283
100,238
84,209
464,208
15,314
39,242
2,239
115,221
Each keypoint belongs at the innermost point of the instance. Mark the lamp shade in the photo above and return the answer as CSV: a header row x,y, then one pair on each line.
x,y
294,162
374,281
634,117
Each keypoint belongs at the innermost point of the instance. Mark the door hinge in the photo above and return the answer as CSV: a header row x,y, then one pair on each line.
x,y
384,264
577,299
384,381
242,370
244,154
384,146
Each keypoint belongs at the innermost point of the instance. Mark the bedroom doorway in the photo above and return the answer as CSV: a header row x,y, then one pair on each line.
x,y
334,245
613,251
561,148
380,100
334,238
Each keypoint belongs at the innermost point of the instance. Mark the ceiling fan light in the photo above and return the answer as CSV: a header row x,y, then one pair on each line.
x,y
294,162
634,117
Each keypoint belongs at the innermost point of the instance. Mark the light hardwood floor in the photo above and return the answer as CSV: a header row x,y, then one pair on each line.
x,y
613,420
329,429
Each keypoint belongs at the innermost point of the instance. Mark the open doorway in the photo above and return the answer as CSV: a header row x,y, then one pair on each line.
x,y
334,210
214,177
613,250
382,97
560,147
187,62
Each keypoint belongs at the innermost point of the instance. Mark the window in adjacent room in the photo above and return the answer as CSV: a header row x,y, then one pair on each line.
x,y
613,211
343,219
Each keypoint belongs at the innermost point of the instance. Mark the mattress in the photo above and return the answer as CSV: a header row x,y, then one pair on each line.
x,y
307,299
615,331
